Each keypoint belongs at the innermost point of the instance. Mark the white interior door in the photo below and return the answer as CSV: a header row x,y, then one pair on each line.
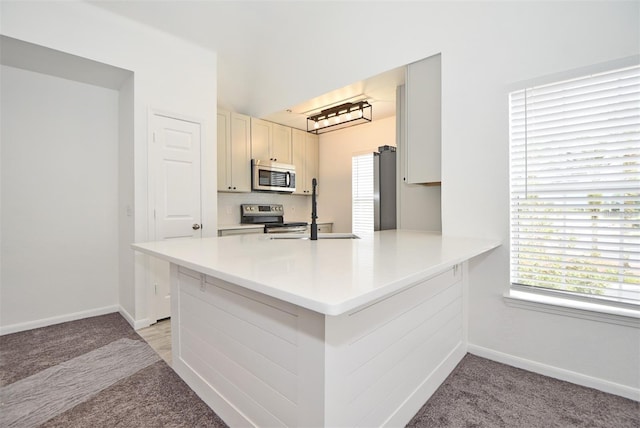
x,y
176,198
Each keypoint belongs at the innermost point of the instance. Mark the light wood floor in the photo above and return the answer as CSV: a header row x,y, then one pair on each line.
x,y
158,336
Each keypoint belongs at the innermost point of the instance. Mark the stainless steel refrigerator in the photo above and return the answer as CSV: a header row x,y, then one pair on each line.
x,y
384,188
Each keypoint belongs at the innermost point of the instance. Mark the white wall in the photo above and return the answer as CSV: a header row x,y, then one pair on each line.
x,y
421,204
296,207
59,197
170,75
336,150
477,76
126,196
486,47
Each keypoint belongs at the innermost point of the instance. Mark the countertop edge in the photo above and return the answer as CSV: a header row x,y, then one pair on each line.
x,y
331,309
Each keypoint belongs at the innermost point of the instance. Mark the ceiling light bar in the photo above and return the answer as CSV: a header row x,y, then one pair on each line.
x,y
338,117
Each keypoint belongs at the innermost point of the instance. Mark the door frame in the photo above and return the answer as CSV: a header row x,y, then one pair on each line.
x,y
152,173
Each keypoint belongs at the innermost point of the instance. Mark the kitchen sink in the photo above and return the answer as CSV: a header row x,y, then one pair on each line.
x,y
320,236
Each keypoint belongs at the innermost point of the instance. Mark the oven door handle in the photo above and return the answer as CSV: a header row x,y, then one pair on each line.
x,y
298,229
291,229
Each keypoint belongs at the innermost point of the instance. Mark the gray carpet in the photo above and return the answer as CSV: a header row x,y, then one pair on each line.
x,y
479,393
148,394
483,393
46,394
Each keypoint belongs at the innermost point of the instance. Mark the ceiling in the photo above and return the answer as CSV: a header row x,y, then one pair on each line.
x,y
379,91
235,35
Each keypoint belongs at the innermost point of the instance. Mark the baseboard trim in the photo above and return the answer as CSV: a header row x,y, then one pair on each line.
x,y
45,322
135,324
556,372
207,393
408,409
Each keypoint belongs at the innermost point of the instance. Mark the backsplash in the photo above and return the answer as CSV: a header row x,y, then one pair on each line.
x,y
296,207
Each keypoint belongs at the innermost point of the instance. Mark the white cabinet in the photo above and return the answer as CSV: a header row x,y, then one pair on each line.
x,y
325,227
311,159
234,152
261,134
322,228
304,147
281,143
270,141
298,154
242,138
240,231
423,126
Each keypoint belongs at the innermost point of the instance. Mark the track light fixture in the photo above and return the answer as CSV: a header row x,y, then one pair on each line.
x,y
339,117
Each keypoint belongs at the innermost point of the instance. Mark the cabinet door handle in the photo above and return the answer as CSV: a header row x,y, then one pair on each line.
x,y
195,226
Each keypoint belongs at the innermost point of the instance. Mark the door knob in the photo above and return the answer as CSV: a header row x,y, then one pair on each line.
x,y
195,226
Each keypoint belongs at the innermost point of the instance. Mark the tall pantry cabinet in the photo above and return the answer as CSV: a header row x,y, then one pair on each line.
x,y
234,152
304,148
423,122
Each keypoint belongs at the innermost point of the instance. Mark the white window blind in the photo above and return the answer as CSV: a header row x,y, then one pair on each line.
x,y
362,194
575,186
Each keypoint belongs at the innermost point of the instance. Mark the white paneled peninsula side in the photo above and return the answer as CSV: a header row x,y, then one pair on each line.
x,y
326,333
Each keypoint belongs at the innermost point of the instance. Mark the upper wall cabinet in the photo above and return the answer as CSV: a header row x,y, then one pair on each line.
x,y
281,144
270,141
304,148
423,122
312,160
234,152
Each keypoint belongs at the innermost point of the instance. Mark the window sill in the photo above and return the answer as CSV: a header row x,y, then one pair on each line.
x,y
573,308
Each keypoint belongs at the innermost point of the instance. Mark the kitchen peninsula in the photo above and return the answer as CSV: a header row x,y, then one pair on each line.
x,y
333,332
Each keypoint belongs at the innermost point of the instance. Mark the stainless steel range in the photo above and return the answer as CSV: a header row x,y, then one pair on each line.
x,y
272,216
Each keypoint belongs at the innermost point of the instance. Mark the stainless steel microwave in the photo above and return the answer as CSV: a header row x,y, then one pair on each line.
x,y
272,176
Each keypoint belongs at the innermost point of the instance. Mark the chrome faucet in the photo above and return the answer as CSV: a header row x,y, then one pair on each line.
x,y
314,211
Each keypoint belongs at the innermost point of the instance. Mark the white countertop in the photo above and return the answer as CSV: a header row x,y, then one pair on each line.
x,y
330,276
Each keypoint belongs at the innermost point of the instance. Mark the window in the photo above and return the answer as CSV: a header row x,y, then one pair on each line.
x,y
362,194
575,188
